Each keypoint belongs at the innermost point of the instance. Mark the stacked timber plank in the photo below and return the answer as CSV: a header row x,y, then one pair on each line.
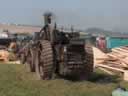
x,y
99,56
113,62
4,55
121,57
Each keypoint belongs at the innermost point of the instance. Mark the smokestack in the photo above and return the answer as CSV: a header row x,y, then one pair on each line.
x,y
47,18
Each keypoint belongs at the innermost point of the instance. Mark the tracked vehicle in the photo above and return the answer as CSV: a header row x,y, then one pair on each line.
x,y
54,51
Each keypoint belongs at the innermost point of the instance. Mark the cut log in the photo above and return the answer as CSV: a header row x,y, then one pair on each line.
x,y
118,55
99,56
111,68
117,62
107,71
120,52
118,58
112,56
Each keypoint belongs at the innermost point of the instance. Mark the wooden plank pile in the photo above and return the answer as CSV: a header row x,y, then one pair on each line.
x,y
4,55
115,62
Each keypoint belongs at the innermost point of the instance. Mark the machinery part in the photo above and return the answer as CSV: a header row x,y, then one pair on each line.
x,y
44,60
74,60
89,60
30,66
22,59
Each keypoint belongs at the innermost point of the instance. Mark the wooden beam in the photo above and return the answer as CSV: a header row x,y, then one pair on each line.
x,y
111,68
107,71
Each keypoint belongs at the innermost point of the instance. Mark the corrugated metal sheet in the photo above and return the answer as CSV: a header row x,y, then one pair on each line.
x,y
116,41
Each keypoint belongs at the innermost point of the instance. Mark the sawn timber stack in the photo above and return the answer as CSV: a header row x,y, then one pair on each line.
x,y
114,62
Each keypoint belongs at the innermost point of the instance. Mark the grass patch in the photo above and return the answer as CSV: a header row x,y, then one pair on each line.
x,y
15,81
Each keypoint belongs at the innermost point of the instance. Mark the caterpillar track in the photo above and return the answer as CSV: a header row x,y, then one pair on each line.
x,y
44,60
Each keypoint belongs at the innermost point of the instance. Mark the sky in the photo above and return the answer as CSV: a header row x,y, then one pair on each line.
x,y
82,14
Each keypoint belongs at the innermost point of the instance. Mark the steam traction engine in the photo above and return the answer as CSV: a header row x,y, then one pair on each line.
x,y
55,51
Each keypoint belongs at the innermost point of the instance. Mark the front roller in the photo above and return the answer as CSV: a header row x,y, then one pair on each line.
x,y
44,60
30,66
89,57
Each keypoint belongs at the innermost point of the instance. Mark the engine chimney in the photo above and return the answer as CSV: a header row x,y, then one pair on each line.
x,y
47,18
